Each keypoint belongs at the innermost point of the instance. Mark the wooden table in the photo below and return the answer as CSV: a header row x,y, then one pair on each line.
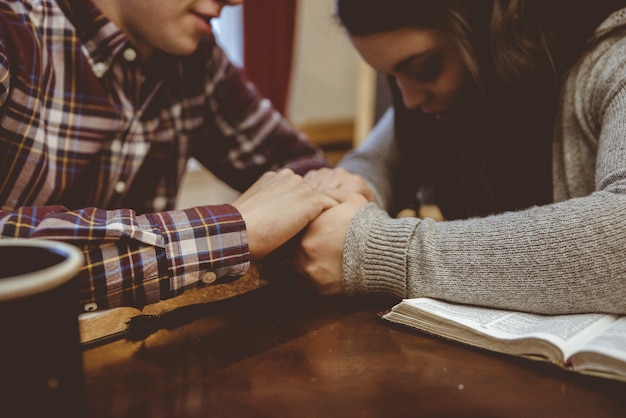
x,y
281,352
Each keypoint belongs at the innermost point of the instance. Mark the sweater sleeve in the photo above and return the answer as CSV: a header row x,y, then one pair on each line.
x,y
375,160
561,258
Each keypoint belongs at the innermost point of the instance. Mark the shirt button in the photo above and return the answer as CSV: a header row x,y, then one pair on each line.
x,y
99,68
90,307
120,187
130,54
159,203
209,277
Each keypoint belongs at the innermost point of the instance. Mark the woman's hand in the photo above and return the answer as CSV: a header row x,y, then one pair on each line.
x,y
340,179
277,207
319,257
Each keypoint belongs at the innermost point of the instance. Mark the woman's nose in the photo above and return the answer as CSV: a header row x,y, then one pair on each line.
x,y
414,96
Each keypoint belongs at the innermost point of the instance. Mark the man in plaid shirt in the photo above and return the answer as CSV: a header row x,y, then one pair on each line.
x,y
102,102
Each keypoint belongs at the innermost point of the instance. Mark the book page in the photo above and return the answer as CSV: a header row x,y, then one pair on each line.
x,y
563,331
610,343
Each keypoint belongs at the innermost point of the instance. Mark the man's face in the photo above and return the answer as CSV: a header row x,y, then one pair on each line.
x,y
174,26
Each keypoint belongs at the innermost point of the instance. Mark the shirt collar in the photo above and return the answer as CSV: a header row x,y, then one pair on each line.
x,y
101,38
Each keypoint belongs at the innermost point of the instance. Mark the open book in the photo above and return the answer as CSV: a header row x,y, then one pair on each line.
x,y
593,344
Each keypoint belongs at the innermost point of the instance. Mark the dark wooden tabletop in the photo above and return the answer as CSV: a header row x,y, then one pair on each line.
x,y
282,352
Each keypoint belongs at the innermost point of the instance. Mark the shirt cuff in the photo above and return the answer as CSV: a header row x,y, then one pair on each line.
x,y
204,238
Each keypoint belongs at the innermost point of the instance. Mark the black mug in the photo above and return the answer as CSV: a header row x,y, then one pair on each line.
x,y
41,371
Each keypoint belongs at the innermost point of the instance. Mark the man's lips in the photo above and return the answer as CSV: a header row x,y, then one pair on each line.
x,y
204,21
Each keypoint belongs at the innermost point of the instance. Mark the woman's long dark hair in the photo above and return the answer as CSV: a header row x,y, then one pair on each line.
x,y
516,52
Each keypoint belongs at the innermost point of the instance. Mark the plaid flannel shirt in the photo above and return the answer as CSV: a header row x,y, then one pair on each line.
x,y
94,143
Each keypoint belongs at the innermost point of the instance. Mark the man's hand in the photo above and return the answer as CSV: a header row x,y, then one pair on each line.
x,y
277,207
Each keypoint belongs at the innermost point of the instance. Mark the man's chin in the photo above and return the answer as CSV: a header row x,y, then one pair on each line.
x,y
183,50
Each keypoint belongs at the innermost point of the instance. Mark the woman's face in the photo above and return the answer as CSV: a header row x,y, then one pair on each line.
x,y
425,63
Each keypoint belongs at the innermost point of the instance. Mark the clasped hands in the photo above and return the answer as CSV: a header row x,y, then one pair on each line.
x,y
321,205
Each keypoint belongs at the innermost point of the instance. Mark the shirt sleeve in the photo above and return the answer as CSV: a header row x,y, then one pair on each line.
x,y
135,260
4,72
246,133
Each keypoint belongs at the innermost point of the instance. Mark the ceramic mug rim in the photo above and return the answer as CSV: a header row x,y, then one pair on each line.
x,y
39,281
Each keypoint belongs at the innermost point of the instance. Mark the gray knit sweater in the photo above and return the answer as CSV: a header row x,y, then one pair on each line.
x,y
565,257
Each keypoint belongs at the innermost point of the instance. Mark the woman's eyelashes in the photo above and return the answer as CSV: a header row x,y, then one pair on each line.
x,y
426,71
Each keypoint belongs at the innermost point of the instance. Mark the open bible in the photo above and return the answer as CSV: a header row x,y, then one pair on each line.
x,y
593,344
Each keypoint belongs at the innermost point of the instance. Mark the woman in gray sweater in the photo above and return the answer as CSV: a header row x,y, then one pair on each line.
x,y
510,116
